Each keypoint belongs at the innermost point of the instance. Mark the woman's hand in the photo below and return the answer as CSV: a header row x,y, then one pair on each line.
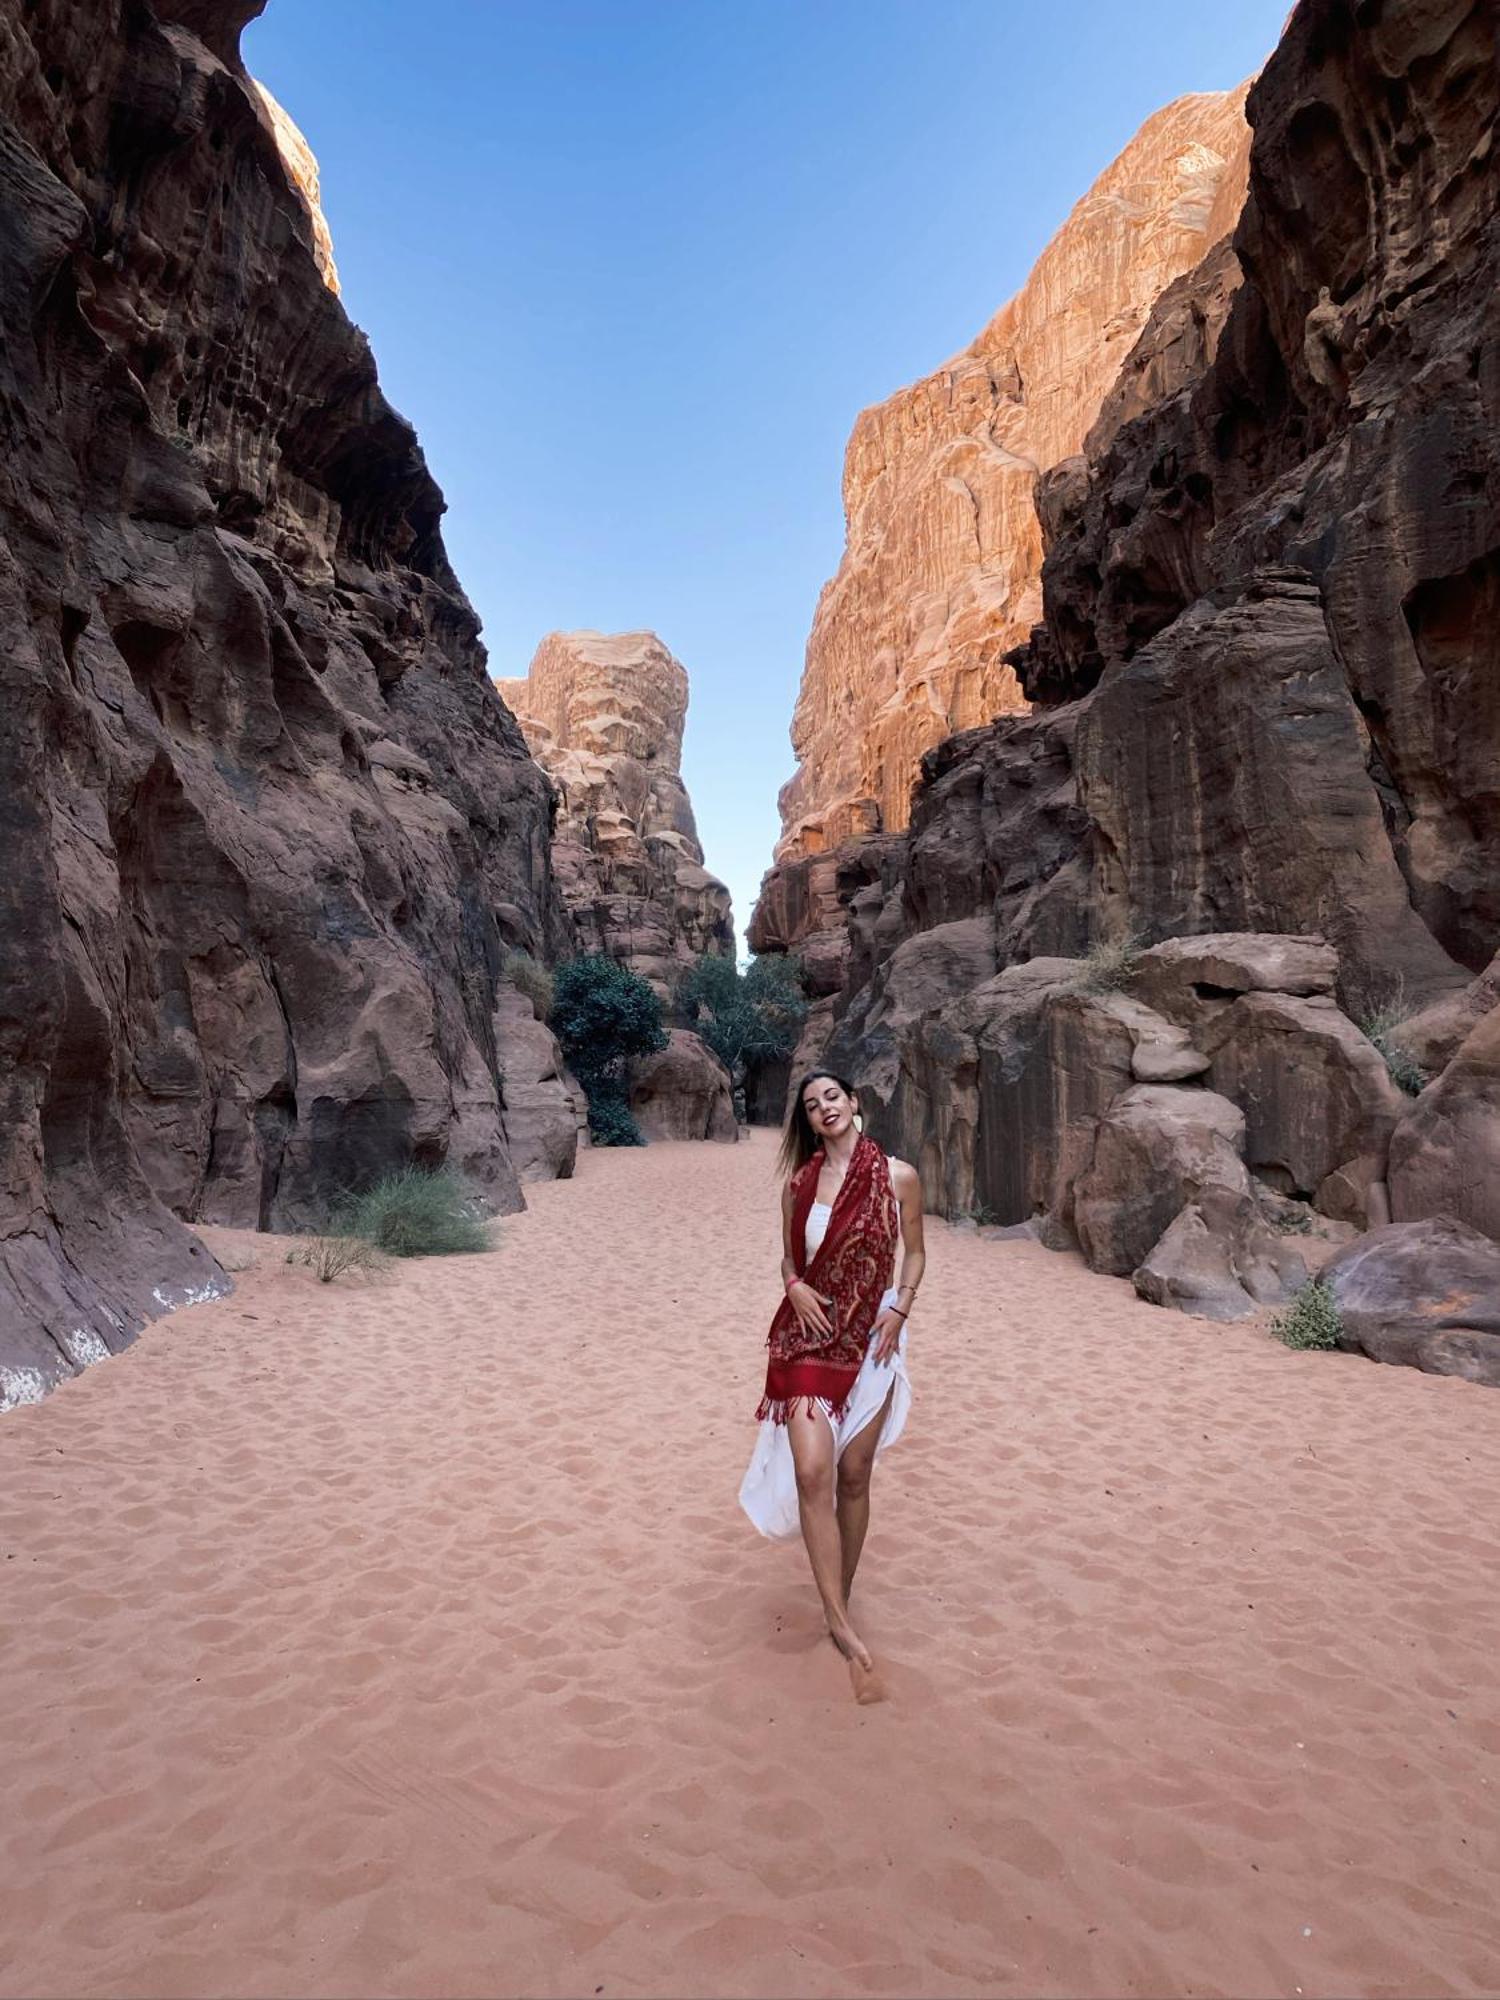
x,y
809,1306
886,1335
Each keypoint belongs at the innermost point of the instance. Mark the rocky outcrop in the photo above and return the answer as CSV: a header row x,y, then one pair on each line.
x,y
603,714
1035,1098
943,552
267,825
1266,685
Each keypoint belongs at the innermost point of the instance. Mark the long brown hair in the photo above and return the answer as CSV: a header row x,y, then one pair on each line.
x,y
799,1142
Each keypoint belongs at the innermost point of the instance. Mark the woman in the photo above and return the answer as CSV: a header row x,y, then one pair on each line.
x,y
837,1390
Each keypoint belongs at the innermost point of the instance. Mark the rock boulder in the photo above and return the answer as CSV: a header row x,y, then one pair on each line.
x,y
1426,1294
1314,1090
1221,1259
683,1092
1156,1149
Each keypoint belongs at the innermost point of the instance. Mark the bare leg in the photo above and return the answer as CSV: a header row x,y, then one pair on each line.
x,y
811,1440
854,1470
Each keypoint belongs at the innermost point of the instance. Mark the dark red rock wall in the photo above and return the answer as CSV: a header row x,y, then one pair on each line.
x,y
266,824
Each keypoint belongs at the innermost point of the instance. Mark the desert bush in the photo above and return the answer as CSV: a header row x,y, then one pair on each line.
x,y
1110,964
329,1257
754,1016
529,976
603,1014
1383,1028
1312,1319
611,1122
1294,1219
417,1212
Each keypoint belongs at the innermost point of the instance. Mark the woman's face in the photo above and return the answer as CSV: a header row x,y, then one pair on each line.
x,y
829,1107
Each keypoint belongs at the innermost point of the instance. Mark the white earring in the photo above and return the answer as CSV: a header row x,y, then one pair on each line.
x,y
859,1122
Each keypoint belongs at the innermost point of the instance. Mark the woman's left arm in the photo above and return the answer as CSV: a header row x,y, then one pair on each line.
x,y
908,1191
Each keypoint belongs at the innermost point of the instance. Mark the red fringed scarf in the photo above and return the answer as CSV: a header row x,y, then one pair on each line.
x,y
852,1266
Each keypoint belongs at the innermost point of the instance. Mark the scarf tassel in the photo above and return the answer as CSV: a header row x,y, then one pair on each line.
x,y
778,1409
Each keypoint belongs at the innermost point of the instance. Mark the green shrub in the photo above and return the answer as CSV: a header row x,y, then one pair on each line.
x,y
1110,964
611,1123
603,1015
1383,1029
418,1212
1311,1320
754,1016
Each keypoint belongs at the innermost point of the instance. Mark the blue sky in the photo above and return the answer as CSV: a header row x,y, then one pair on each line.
x,y
633,267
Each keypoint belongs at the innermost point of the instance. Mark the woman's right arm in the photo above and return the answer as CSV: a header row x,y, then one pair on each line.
x,y
805,1301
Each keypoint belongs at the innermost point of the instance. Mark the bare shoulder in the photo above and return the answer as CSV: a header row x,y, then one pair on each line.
x,y
905,1179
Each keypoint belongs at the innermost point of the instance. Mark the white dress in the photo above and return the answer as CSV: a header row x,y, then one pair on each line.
x,y
768,1492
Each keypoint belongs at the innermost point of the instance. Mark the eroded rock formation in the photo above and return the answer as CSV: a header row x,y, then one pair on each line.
x,y
603,714
301,164
1268,688
940,571
267,824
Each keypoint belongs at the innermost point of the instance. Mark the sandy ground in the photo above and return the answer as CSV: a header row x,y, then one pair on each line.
x,y
407,1639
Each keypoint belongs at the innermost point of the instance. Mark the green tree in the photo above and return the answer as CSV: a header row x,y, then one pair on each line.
x,y
603,1014
745,1017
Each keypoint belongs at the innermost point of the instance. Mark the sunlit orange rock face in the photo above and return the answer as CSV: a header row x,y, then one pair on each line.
x,y
603,715
943,556
301,164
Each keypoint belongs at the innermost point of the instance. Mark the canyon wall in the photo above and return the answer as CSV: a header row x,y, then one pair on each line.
x,y
940,571
268,827
1267,688
603,715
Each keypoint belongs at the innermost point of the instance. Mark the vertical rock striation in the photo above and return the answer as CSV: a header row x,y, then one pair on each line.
x,y
940,571
267,826
603,715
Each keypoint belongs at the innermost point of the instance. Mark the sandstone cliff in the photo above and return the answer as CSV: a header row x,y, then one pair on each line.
x,y
940,572
267,825
302,170
603,715
1268,677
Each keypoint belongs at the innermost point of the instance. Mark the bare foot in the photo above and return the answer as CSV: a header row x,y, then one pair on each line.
x,y
867,1685
849,1643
